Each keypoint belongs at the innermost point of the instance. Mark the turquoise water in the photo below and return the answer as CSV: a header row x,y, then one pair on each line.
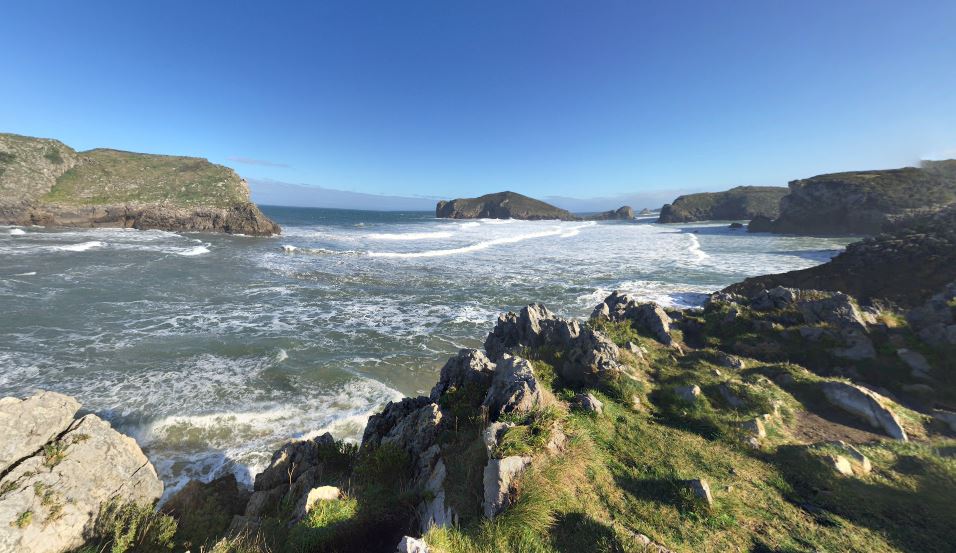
x,y
212,350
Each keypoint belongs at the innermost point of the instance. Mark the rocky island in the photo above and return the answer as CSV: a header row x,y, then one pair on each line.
x,y
861,202
742,202
45,182
511,205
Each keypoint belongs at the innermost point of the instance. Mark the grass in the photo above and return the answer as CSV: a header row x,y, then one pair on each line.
x,y
129,527
54,453
23,520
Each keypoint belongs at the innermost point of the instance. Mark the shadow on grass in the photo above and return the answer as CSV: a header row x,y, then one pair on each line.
x,y
574,532
915,520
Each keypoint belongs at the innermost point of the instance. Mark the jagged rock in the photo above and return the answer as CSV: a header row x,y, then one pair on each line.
x,y
534,326
919,366
701,489
434,511
591,357
647,317
412,545
946,417
840,464
469,366
839,311
865,404
513,388
292,472
689,394
492,434
865,467
589,403
635,349
27,424
774,298
754,428
63,486
601,313
203,509
499,476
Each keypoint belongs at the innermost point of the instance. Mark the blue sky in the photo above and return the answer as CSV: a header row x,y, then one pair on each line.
x,y
447,98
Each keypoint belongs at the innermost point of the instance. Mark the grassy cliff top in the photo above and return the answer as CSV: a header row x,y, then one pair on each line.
x,y
35,169
742,202
893,189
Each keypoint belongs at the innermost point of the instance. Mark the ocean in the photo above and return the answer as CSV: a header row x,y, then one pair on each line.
x,y
212,350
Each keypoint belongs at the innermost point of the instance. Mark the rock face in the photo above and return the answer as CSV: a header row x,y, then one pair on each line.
x,y
863,202
45,182
53,492
502,205
646,316
908,264
866,405
742,202
498,478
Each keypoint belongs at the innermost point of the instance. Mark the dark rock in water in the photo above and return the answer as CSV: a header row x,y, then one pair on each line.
x,y
45,182
760,223
742,202
623,213
863,202
908,264
502,205
736,225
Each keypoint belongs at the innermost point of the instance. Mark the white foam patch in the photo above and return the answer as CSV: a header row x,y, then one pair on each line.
x,y
472,247
31,273
17,231
694,248
288,249
470,224
81,247
403,236
189,252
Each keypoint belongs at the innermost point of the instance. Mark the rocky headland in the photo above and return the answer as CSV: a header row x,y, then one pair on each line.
x,y
861,202
45,182
511,205
742,202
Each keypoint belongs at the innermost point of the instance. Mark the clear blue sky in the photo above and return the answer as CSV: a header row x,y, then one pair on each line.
x,y
453,98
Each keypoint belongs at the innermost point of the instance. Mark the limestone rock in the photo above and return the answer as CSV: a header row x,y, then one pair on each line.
x,y
409,544
701,489
534,326
919,366
315,495
774,298
590,358
730,397
589,403
27,424
647,317
754,428
840,464
65,486
839,311
499,477
292,472
468,367
730,361
865,404
514,388
689,394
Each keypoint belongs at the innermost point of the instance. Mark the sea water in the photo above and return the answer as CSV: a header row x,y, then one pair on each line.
x,y
212,350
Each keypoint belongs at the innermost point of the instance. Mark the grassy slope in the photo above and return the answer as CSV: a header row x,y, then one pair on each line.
x,y
111,176
892,190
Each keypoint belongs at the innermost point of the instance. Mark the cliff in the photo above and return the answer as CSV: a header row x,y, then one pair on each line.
x,y
623,213
45,182
907,264
502,205
742,202
861,202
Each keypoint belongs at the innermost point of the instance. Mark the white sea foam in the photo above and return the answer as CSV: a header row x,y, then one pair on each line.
x,y
281,355
403,236
17,231
470,224
694,247
195,250
288,249
31,273
81,247
472,247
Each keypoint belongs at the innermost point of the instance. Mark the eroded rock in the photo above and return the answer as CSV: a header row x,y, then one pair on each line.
x,y
499,477
865,404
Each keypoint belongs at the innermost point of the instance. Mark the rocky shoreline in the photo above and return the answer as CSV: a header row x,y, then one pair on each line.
x,y
779,372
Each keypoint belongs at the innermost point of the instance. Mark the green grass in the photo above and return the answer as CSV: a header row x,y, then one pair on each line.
x,y
132,528
23,520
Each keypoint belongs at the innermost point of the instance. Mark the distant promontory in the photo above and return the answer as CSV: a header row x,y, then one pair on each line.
x,y
742,202
511,205
45,182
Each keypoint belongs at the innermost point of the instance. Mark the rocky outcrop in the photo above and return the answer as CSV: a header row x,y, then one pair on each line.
x,y
647,317
623,213
44,182
742,202
498,479
502,205
862,202
935,320
906,265
865,404
60,472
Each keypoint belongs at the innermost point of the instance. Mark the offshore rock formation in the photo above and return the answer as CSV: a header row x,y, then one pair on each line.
x,y
57,473
45,182
742,202
861,202
511,205
623,213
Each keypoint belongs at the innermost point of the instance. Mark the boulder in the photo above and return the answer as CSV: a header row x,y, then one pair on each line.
x,y
313,496
840,464
53,495
409,544
774,298
689,394
754,428
729,361
499,478
647,317
919,366
590,358
514,388
589,403
865,404
701,489
468,367
946,417
27,424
